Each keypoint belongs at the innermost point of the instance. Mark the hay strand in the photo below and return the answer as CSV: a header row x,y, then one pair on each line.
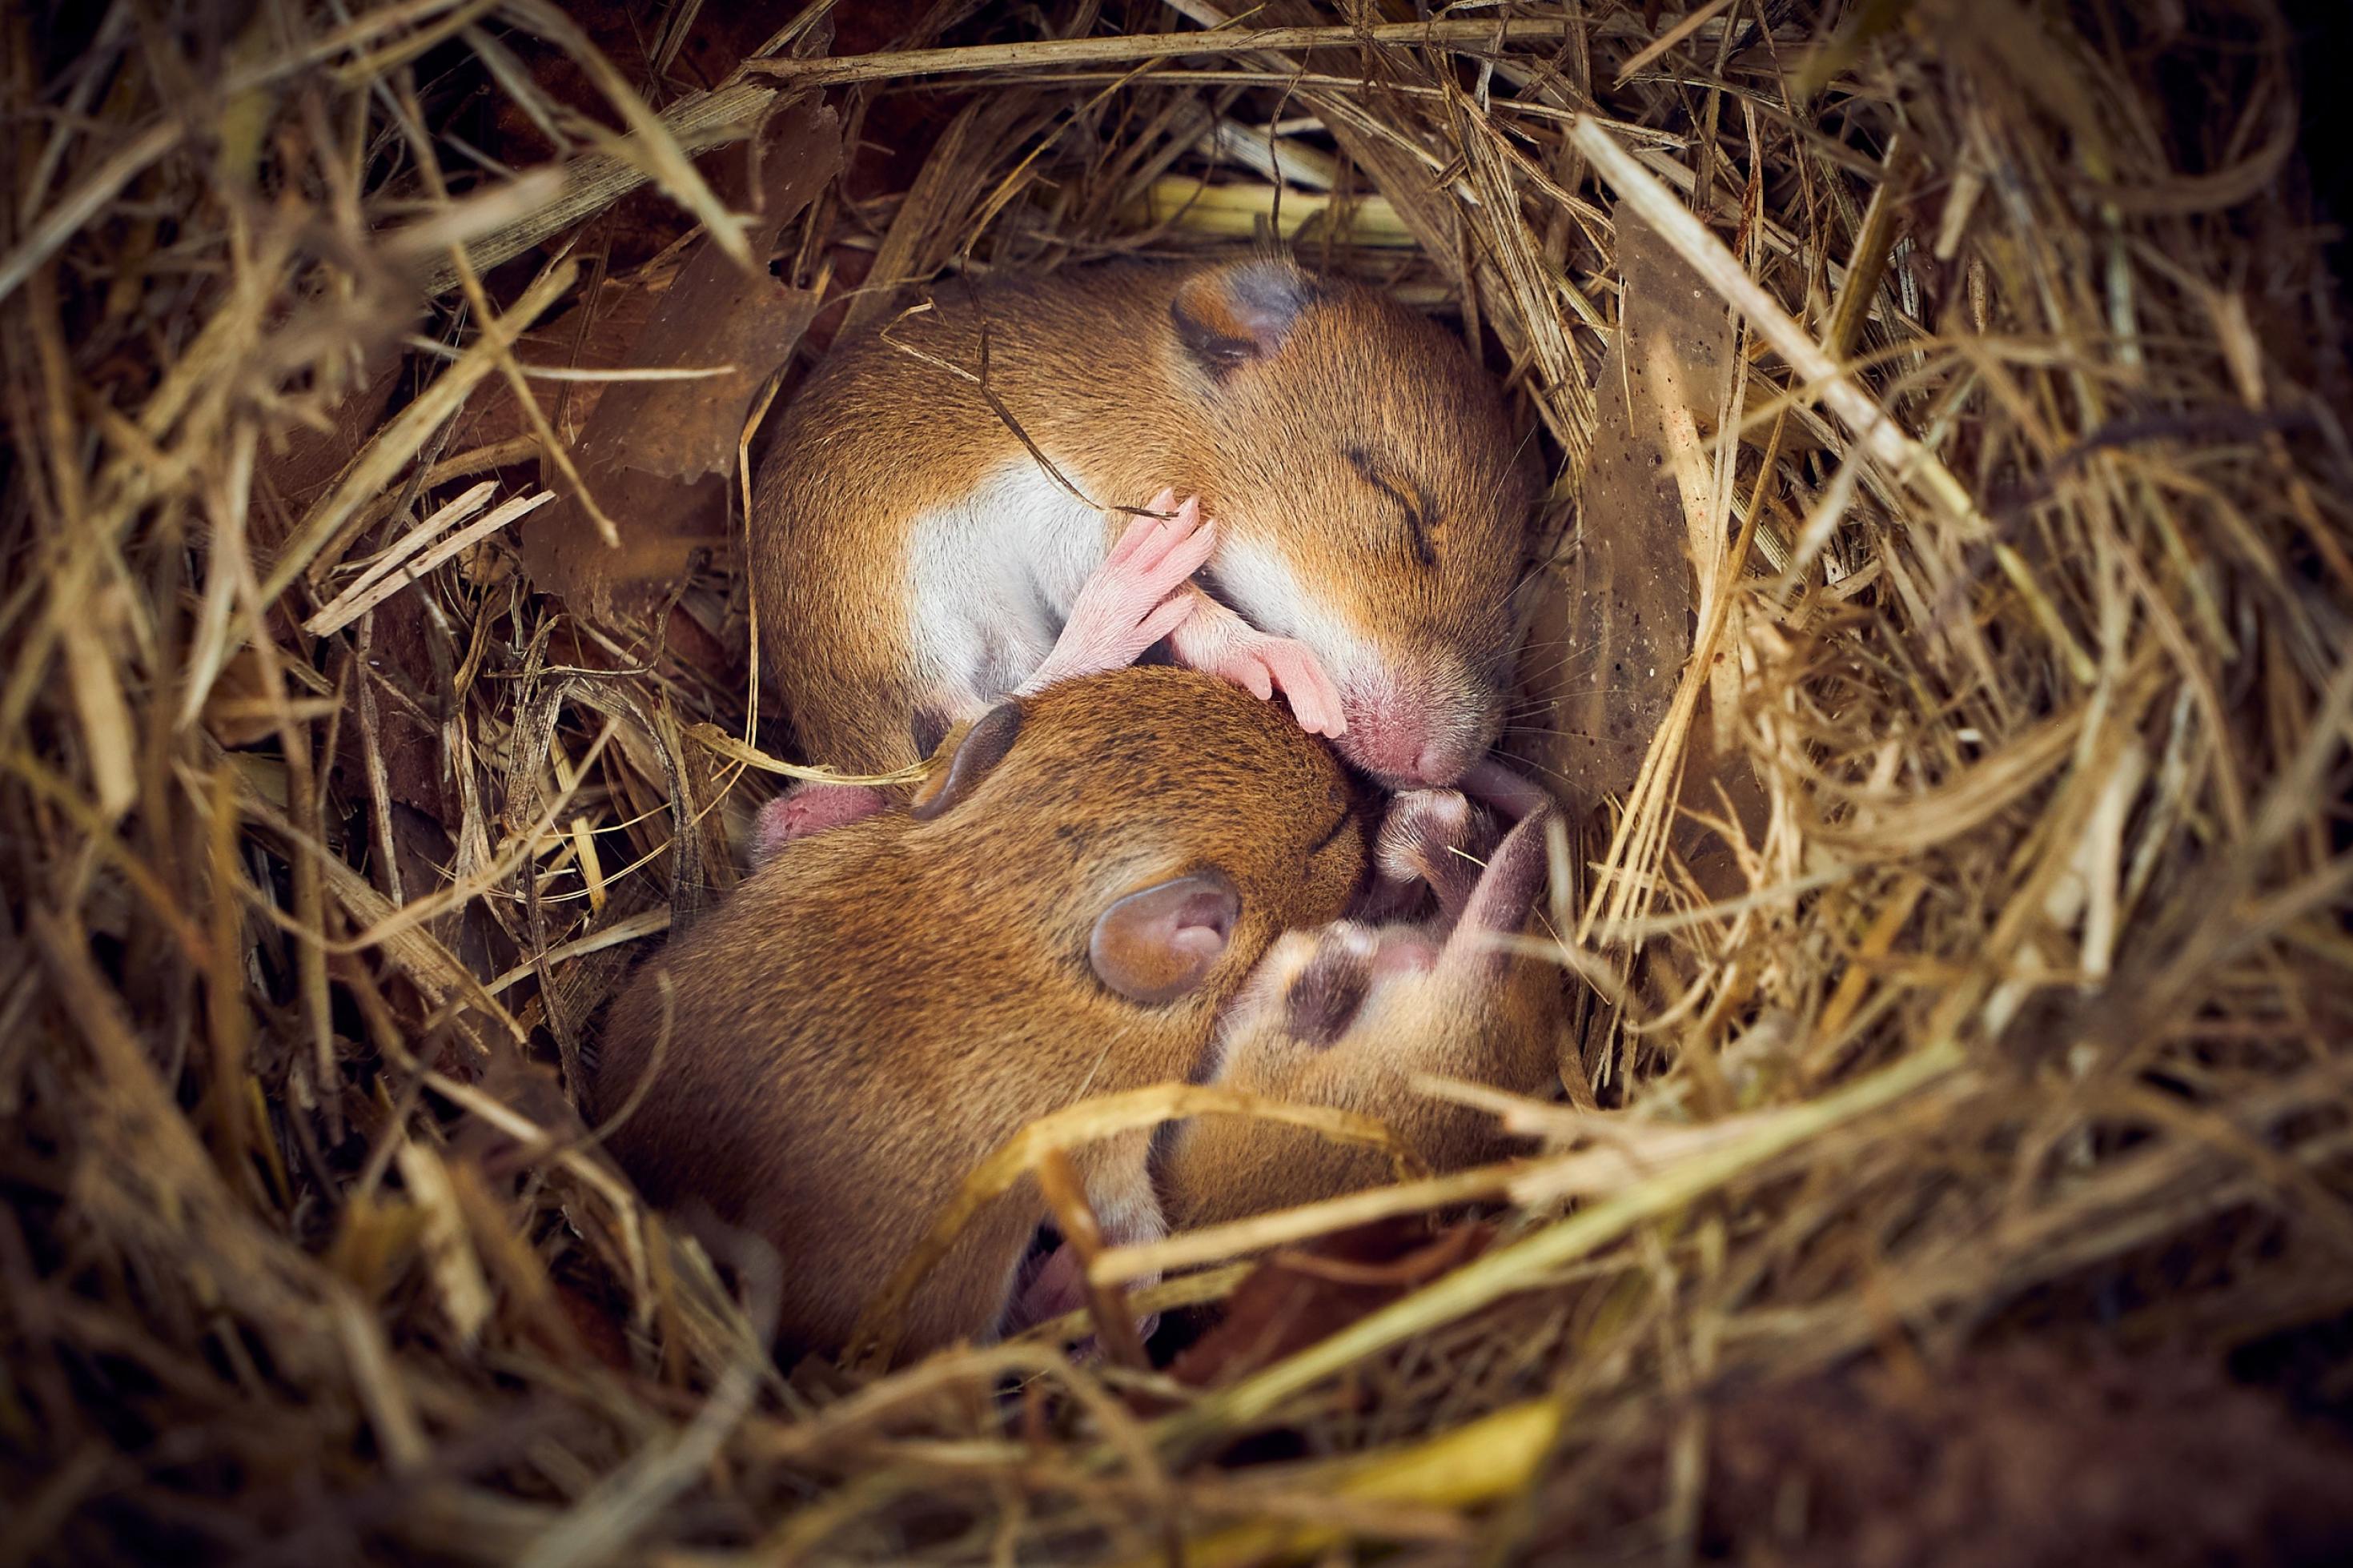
x,y
1937,630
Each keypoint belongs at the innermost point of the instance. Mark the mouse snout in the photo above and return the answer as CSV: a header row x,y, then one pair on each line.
x,y
1381,741
1411,739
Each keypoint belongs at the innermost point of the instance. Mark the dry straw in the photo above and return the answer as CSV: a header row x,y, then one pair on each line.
x,y
1964,923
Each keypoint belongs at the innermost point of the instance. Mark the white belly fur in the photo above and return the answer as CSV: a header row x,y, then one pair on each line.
x,y
995,575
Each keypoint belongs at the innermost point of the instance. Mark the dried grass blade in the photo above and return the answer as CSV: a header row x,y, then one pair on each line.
x,y
108,744
1066,1197
1262,1233
1469,37
713,737
630,1500
650,144
1475,1463
595,181
87,200
446,516
1886,440
390,580
1497,1274
398,443
1693,21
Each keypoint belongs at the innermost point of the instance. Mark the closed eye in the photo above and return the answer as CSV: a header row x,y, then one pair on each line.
x,y
1415,510
1339,825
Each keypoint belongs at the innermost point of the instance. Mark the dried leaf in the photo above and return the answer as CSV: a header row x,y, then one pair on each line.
x,y
1297,1296
716,314
658,452
1614,626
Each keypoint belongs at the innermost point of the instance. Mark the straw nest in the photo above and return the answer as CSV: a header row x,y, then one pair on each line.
x,y
1946,657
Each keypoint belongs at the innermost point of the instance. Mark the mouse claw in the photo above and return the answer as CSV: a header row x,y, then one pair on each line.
x,y
1137,597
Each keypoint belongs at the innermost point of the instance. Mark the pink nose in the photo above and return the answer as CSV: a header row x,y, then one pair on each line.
x,y
1382,740
1399,747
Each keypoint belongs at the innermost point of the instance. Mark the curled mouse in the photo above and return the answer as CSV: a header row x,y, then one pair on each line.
x,y
912,560
1347,1015
1086,876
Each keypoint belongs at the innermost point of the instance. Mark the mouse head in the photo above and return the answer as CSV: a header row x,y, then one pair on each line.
x,y
1373,500
1160,825
1449,997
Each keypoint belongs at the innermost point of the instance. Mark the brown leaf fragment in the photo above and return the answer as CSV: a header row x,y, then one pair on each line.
x,y
662,523
1615,624
1299,1296
600,330
656,452
716,314
303,458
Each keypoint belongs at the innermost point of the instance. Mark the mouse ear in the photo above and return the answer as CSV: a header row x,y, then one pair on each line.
x,y
1230,315
979,750
1517,875
1160,943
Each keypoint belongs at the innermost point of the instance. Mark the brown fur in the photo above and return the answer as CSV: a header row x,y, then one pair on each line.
x,y
882,1005
1089,362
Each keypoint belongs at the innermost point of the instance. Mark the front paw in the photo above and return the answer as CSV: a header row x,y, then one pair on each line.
x,y
1137,597
1229,647
1432,836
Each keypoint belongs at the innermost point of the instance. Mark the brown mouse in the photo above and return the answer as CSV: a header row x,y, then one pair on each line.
x,y
1347,1015
912,560
1087,874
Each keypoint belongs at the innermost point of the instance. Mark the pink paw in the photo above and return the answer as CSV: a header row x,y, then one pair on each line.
x,y
1136,597
810,807
1059,1286
1221,643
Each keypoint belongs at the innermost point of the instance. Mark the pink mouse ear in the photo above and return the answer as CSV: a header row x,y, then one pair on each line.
x,y
1227,316
1508,891
1160,943
977,751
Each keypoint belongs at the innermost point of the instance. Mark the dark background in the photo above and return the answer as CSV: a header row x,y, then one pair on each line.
x,y
2325,34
